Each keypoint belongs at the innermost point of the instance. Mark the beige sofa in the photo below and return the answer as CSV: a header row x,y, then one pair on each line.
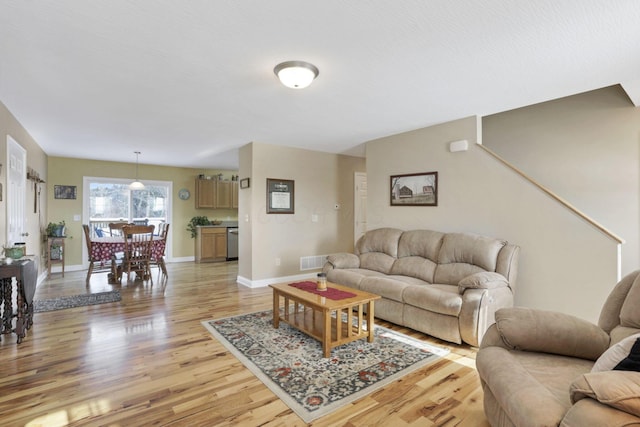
x,y
447,285
542,368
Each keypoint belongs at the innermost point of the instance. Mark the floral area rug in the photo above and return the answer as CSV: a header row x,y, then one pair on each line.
x,y
290,363
75,301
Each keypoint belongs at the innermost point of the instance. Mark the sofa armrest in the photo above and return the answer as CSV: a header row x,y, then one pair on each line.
x,y
550,332
618,389
590,412
344,260
483,280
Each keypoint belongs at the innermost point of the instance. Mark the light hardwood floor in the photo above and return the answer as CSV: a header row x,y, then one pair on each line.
x,y
148,361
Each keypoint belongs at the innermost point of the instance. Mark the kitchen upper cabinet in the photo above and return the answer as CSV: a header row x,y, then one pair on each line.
x,y
223,194
216,194
205,193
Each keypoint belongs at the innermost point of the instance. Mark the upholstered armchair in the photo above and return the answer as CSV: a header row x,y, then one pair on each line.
x,y
542,368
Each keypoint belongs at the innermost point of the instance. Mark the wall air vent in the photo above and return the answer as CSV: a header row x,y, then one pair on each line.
x,y
312,262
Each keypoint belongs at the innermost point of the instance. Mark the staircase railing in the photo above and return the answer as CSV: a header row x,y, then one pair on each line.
x,y
553,195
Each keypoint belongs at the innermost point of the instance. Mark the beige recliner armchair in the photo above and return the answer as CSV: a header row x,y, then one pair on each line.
x,y
536,366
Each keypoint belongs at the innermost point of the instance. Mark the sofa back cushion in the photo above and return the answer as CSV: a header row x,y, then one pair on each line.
x,y
630,313
418,254
378,249
620,316
463,254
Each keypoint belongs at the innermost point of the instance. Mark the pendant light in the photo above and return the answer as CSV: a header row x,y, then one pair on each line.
x,y
136,185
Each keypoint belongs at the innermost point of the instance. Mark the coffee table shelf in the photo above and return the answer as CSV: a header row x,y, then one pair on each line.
x,y
311,322
318,316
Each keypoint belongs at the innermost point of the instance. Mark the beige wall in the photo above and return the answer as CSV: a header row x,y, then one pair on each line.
x,y
565,264
36,160
585,148
67,171
321,181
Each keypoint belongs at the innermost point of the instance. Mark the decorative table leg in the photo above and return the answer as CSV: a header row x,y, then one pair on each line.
x,y
21,327
326,333
370,314
276,309
7,312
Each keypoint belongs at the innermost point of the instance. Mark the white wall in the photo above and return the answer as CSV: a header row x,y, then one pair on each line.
x,y
565,263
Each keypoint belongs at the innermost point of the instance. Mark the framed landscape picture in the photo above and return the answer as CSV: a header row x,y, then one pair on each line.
x,y
64,191
415,189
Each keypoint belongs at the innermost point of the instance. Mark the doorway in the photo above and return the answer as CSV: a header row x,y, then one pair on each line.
x,y
16,192
359,205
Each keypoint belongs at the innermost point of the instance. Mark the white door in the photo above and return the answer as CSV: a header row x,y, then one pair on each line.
x,y
16,192
359,205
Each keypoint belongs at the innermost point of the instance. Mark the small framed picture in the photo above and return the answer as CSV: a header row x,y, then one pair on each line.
x,y
280,196
244,183
64,191
414,189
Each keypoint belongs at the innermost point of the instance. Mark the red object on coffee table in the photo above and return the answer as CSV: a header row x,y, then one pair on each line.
x,y
331,293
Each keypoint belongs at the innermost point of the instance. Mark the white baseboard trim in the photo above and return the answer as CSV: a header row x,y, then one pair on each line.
x,y
58,268
41,277
182,259
266,282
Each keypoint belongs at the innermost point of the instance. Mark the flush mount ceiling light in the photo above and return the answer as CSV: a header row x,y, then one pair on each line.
x,y
296,74
136,185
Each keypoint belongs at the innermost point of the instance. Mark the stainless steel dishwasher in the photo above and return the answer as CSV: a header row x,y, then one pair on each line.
x,y
232,243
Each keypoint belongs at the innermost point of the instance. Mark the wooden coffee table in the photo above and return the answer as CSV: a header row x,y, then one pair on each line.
x,y
312,314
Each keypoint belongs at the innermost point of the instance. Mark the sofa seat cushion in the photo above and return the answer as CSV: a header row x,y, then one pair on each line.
x,y
409,280
351,276
386,287
524,382
443,299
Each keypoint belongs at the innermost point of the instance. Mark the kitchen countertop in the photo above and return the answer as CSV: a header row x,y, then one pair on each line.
x,y
224,224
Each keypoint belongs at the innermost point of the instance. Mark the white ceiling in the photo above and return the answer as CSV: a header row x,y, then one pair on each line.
x,y
189,82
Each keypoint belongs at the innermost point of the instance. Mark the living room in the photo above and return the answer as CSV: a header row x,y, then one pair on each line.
x,y
582,147
477,194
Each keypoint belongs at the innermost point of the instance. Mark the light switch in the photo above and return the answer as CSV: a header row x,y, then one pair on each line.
x,y
314,218
76,217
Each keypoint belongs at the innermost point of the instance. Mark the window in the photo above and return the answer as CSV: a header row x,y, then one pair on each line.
x,y
110,200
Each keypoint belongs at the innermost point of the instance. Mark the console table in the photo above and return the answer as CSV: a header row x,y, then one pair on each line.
x,y
25,272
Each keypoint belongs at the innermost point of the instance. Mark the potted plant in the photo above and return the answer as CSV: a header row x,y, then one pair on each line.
x,y
56,229
195,222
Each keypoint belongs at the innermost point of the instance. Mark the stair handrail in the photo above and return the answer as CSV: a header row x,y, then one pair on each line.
x,y
553,195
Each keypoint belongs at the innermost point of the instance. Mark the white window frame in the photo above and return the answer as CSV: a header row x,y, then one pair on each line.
x,y
87,180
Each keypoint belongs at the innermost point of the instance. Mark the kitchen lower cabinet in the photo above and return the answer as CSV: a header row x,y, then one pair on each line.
x,y
211,244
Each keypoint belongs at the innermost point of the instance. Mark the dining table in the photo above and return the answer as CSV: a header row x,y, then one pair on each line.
x,y
104,248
